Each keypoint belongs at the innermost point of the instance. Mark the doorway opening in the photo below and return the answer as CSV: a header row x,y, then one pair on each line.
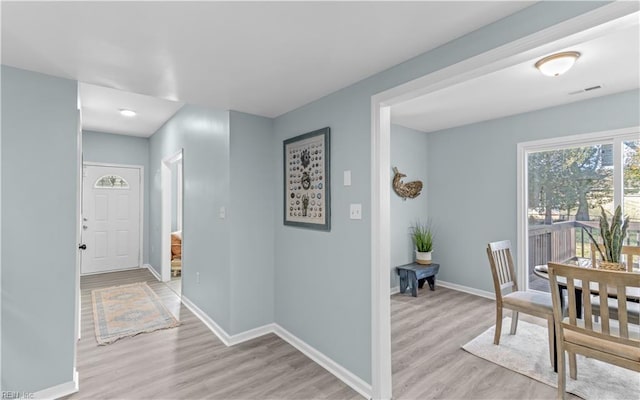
x,y
546,41
172,221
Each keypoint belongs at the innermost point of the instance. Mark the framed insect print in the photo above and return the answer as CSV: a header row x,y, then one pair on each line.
x,y
307,189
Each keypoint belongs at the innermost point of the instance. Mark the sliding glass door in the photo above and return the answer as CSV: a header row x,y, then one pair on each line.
x,y
566,185
631,189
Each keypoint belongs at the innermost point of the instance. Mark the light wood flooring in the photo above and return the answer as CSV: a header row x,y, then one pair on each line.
x,y
427,333
175,284
189,362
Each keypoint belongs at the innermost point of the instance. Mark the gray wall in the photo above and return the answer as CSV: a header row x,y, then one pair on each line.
x,y
251,213
204,135
315,273
39,186
409,154
318,273
472,177
120,149
322,279
226,163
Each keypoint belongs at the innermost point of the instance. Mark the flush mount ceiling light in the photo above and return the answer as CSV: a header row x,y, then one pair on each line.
x,y
557,64
127,113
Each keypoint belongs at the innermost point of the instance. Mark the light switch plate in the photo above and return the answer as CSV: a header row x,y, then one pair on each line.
x,y
355,211
223,213
347,178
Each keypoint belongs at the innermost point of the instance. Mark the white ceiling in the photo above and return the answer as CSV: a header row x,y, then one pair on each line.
x,y
611,60
262,58
101,111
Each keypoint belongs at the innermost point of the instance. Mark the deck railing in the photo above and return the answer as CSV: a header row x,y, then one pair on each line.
x,y
564,241
552,243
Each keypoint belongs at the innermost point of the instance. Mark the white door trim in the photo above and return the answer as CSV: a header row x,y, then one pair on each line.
x,y
538,44
165,224
179,197
141,222
77,303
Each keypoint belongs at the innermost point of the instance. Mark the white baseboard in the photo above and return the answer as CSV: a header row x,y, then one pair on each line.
x,y
455,286
251,334
111,270
61,390
325,362
466,289
319,358
210,323
153,272
227,339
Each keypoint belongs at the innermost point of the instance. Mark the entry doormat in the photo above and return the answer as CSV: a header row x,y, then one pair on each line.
x,y
128,310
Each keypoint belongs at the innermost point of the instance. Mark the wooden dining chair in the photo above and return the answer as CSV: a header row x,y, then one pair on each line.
x,y
630,256
614,343
508,296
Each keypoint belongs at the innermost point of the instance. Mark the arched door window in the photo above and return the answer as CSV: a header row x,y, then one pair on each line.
x,y
111,182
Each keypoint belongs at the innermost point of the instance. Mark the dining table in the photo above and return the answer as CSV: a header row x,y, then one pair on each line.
x,y
632,294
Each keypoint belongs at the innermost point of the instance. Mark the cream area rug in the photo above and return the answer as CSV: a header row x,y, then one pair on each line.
x,y
527,352
128,310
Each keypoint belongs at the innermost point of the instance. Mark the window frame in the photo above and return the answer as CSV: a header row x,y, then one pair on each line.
x,y
613,137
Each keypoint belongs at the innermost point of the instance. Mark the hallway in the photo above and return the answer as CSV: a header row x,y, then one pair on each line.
x,y
189,362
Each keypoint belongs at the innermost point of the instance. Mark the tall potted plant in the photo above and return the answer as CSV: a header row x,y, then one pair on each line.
x,y
423,240
613,234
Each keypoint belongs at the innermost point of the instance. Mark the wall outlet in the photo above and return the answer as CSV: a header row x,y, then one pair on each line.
x,y
198,277
355,211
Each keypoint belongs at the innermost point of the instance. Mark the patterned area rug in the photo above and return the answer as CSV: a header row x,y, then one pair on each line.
x,y
122,311
527,353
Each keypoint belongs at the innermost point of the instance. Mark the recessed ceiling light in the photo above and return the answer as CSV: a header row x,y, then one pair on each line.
x,y
557,64
127,113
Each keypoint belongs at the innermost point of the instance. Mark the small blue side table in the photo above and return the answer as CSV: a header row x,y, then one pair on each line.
x,y
416,274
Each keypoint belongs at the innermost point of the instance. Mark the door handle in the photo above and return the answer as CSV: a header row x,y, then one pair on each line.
x,y
82,246
84,227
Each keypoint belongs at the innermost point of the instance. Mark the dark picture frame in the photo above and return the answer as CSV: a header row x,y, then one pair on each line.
x,y
307,181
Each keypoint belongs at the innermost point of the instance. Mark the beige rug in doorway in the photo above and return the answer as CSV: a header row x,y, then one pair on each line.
x,y
128,310
527,352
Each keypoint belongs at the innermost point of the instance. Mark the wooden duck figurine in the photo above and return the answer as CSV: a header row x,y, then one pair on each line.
x,y
404,190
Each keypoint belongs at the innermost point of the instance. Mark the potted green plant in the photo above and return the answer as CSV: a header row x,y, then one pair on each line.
x,y
613,234
423,240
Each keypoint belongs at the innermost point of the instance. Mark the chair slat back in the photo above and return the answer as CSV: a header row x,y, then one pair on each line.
x,y
623,316
502,269
608,283
586,299
604,300
630,255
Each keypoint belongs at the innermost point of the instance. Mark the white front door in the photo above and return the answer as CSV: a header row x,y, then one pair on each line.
x,y
111,218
